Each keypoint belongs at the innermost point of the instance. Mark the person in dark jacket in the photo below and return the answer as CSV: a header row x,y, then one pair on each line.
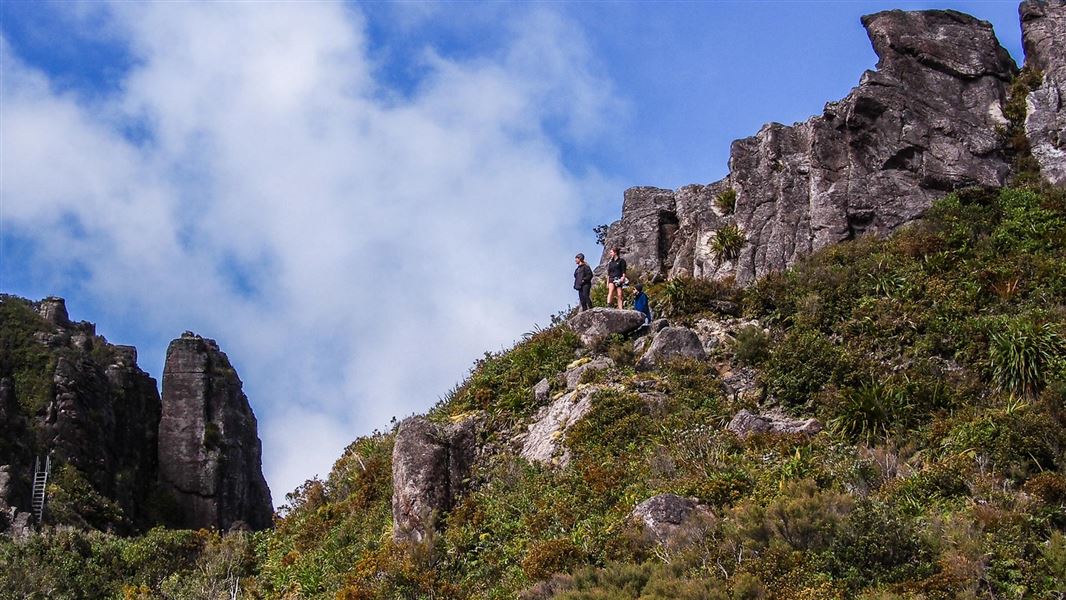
x,y
616,276
640,303
583,282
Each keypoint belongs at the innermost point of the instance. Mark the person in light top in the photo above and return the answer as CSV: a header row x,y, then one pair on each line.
x,y
616,276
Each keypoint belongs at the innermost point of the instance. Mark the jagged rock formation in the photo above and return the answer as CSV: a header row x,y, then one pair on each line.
x,y
1044,39
210,456
65,391
670,343
598,323
430,467
745,423
671,520
927,121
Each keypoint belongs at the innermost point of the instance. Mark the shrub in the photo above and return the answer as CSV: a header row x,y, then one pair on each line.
x,y
868,412
752,345
878,544
1020,352
550,556
800,366
727,242
686,296
726,201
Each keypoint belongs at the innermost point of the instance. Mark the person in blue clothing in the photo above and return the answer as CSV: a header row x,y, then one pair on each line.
x,y
640,303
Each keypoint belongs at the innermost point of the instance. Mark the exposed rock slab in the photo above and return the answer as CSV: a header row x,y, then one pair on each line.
x,y
924,123
1044,39
430,467
543,442
210,456
715,333
671,520
745,423
598,323
671,343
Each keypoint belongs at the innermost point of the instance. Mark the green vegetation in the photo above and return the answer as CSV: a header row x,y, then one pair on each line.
x,y
935,358
727,242
726,201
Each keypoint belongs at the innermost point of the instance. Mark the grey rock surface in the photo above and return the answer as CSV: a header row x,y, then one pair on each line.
x,y
672,520
922,124
210,456
1044,39
670,343
543,441
542,391
598,323
745,423
430,467
573,376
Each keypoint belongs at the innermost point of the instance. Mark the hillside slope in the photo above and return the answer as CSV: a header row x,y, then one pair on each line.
x,y
935,359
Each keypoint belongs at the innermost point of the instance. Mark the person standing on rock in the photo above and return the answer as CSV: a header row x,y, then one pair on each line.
x,y
616,276
583,282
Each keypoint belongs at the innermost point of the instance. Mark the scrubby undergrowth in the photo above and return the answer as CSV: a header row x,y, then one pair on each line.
x,y
936,358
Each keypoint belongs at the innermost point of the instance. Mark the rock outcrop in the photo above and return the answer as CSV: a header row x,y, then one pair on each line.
x,y
83,401
927,121
671,520
210,456
1044,39
596,324
671,343
430,467
745,423
543,441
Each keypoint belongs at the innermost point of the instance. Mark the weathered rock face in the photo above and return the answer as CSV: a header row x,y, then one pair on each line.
x,y
210,456
543,441
1044,39
671,520
924,123
745,423
83,401
598,323
670,343
430,466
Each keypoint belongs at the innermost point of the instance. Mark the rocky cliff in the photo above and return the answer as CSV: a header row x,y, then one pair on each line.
x,y
1044,38
67,393
210,455
928,120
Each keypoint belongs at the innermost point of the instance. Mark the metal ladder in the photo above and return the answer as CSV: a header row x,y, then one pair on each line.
x,y
40,482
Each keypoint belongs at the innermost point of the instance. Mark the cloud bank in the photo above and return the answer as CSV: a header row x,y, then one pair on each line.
x,y
353,245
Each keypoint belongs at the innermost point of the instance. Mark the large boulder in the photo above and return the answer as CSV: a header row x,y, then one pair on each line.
x,y
671,520
430,470
210,456
923,124
596,324
670,343
745,423
1044,39
543,440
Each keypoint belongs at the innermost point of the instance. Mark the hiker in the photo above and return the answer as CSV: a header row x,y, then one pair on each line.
x,y
640,303
616,276
583,282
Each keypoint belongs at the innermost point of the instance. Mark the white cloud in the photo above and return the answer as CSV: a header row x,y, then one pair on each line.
x,y
352,251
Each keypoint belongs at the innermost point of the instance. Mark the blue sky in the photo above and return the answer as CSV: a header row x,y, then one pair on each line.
x,y
356,200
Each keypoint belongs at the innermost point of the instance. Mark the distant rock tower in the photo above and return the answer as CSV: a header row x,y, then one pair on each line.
x,y
210,456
